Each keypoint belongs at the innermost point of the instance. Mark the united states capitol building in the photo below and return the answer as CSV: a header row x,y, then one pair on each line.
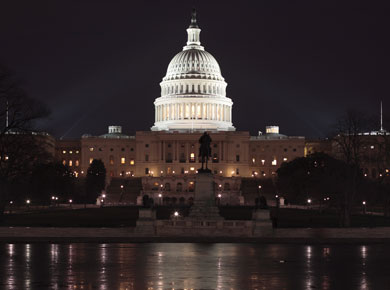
x,y
194,99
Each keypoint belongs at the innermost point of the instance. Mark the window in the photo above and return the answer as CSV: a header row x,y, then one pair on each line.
x,y
262,162
90,160
111,160
192,157
91,149
274,162
64,152
77,151
70,152
64,162
131,149
100,149
372,146
215,158
237,158
123,160
111,149
226,187
285,149
237,171
77,163
146,145
123,149
253,160
295,150
284,159
146,170
146,157
192,168
169,145
169,158
182,158
131,161
167,187
179,187
191,186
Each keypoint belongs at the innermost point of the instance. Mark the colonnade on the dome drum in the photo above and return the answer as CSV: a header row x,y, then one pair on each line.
x,y
193,111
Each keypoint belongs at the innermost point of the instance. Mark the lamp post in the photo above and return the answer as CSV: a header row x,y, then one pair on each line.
x,y
28,203
219,199
308,202
364,207
70,202
122,191
160,198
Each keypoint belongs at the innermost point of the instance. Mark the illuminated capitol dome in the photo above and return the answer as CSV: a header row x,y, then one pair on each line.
x,y
193,92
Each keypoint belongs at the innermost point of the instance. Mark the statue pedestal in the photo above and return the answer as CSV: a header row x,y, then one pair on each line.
x,y
146,221
262,225
204,207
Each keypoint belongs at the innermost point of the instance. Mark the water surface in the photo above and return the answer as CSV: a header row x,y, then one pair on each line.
x,y
193,266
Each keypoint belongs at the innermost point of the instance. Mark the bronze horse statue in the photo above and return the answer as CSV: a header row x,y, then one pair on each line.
x,y
204,151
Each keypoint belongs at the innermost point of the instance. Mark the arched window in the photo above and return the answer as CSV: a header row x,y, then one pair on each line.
x,y
182,200
167,186
226,186
179,187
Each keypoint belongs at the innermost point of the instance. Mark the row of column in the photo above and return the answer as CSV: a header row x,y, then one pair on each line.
x,y
193,111
193,88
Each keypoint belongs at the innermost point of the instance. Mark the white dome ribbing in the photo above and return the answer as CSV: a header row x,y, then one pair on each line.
x,y
193,92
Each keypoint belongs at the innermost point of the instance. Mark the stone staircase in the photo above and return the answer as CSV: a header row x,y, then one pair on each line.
x,y
128,194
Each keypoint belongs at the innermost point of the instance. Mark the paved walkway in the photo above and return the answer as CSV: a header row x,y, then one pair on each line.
x,y
325,235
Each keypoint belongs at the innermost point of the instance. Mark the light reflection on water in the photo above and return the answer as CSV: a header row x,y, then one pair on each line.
x,y
193,266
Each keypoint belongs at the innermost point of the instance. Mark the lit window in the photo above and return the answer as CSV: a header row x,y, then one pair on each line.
x,y
274,162
76,174
64,162
192,168
70,163
372,147
123,160
70,152
91,149
64,152
77,151
284,159
90,160
77,163
192,157
132,162
253,160
263,162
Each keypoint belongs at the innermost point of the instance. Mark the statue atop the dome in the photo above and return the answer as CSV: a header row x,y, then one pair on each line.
x,y
205,151
193,24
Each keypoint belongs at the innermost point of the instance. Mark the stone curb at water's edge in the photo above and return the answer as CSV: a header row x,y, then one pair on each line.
x,y
127,235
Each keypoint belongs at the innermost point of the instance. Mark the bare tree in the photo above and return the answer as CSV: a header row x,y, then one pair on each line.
x,y
349,144
20,145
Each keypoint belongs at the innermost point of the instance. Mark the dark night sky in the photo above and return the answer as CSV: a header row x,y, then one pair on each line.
x,y
297,64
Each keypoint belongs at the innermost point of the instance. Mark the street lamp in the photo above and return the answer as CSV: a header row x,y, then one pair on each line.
x,y
160,198
364,206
